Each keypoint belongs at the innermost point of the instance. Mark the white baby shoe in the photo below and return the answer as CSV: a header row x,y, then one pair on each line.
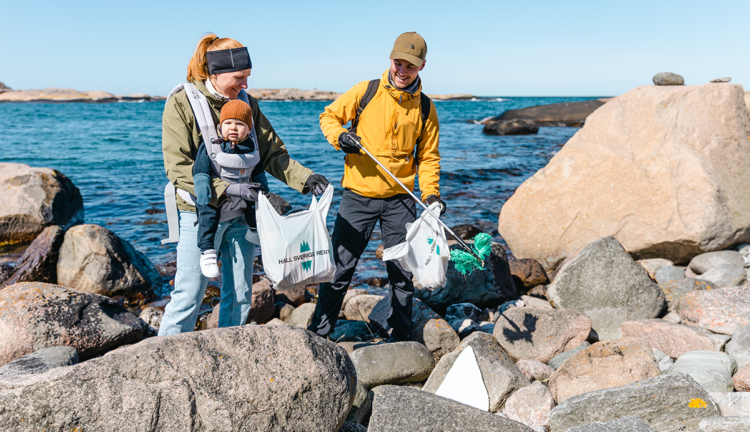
x,y
209,268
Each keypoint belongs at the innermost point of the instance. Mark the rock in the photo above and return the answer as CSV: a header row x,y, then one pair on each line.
x,y
530,405
559,114
719,340
667,403
279,204
604,283
511,127
732,404
152,317
560,359
725,275
301,316
724,424
292,94
669,274
295,296
665,361
672,317
739,346
361,406
464,327
534,370
672,339
482,288
623,424
742,379
52,94
35,315
41,361
676,289
668,79
4,87
262,300
358,308
706,261
269,378
527,273
95,260
399,409
392,363
465,232
536,303
606,364
653,265
721,80
283,310
596,186
540,334
463,311
722,311
352,331
712,370
34,198
39,261
500,375
351,293
428,327
275,322
352,427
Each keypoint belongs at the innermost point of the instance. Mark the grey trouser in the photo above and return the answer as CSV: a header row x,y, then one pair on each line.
x,y
354,224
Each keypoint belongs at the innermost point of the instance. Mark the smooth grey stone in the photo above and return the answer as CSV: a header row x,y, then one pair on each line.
x,y
668,79
711,369
706,261
725,275
721,80
623,424
668,403
739,346
669,273
725,424
603,282
398,409
672,317
561,358
463,311
392,363
733,404
665,364
41,361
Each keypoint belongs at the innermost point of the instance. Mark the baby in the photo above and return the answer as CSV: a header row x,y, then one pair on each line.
x,y
234,129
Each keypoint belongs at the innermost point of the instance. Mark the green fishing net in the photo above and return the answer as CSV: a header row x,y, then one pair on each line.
x,y
466,262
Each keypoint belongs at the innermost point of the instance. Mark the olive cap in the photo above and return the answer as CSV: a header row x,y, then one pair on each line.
x,y
411,47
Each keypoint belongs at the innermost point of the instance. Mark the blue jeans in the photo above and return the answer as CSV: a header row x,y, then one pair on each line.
x,y
190,284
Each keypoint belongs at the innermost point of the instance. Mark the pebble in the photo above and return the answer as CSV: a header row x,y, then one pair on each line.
x,y
721,80
668,79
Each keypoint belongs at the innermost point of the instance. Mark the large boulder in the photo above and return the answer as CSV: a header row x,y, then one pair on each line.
x,y
39,261
603,282
527,273
269,378
41,361
672,339
397,409
34,198
359,307
623,424
500,375
663,169
392,363
604,365
94,259
262,302
723,311
712,370
36,315
540,334
667,403
739,346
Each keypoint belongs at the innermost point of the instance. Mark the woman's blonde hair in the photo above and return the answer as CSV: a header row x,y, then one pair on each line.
x,y
198,66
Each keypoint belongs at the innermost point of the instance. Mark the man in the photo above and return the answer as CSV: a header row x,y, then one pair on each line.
x,y
400,127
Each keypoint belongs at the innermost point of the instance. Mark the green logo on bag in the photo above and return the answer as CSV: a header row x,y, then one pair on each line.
x,y
437,247
304,247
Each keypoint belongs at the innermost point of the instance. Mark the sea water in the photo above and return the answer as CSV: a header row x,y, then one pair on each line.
x,y
112,152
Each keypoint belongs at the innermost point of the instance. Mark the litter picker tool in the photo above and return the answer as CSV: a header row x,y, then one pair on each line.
x,y
465,261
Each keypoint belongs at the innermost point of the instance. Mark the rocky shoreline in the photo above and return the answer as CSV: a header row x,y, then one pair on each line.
x,y
622,305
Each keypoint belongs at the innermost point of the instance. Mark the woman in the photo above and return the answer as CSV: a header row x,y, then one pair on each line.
x,y
218,73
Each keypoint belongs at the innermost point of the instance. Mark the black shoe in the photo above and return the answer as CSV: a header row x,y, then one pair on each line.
x,y
399,336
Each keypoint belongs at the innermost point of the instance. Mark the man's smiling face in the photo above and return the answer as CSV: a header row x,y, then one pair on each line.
x,y
404,73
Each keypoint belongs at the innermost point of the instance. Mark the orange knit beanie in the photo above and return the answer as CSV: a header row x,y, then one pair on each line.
x,y
237,109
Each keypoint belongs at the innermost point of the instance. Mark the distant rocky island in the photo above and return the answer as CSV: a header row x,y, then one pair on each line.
x,y
69,95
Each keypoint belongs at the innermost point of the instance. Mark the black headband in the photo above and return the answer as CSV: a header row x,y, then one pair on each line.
x,y
229,60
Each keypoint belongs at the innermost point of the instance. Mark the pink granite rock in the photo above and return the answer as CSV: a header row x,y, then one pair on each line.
x,y
673,340
723,311
534,370
742,379
530,405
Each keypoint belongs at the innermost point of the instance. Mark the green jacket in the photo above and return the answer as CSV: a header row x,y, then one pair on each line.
x,y
181,138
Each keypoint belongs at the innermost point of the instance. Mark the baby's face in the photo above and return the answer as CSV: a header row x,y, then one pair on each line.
x,y
234,130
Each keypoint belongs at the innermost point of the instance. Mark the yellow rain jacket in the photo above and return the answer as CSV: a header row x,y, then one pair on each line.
x,y
390,127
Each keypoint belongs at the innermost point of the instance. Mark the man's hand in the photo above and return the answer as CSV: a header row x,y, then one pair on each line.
x,y
433,199
348,141
246,191
317,184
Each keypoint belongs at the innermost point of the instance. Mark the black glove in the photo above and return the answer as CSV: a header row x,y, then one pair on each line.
x,y
348,141
317,184
246,191
433,199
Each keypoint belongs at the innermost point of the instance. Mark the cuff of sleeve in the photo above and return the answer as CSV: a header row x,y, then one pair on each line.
x,y
428,194
219,186
335,142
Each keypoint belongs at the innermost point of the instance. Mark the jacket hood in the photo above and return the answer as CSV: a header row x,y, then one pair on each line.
x,y
396,92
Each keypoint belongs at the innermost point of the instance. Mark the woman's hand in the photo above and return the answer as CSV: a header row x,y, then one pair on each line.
x,y
316,183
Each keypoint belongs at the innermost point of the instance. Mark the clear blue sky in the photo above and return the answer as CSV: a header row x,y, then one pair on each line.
x,y
498,48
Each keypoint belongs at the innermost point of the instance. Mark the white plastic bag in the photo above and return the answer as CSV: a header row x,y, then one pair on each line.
x,y
296,248
425,252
